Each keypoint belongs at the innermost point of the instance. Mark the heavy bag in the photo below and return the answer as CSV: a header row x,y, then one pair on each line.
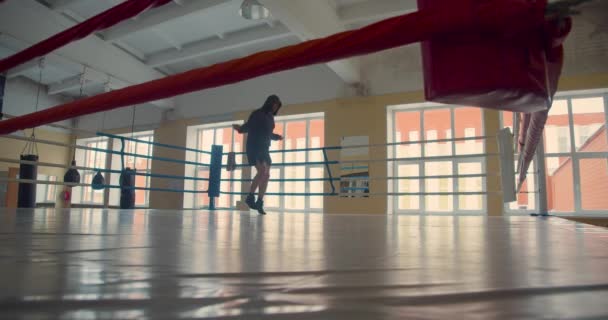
x,y
27,191
98,182
127,191
72,175
231,166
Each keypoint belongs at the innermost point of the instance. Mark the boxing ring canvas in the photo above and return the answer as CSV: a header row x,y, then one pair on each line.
x,y
94,264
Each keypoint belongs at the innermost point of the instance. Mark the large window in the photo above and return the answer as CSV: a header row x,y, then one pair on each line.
x,y
203,138
140,160
95,159
298,132
98,159
440,160
576,156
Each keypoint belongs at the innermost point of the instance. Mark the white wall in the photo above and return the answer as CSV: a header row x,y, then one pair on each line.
x,y
31,22
146,117
309,84
20,98
394,70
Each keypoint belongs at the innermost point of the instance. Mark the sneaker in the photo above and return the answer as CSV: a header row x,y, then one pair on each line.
x,y
260,206
250,201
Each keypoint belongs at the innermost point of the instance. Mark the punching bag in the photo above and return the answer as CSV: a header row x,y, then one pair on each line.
x,y
127,191
501,62
72,175
27,191
98,182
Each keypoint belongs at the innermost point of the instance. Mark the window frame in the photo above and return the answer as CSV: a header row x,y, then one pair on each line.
x,y
454,158
575,157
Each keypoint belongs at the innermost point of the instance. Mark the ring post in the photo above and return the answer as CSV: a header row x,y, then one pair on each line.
x,y
215,175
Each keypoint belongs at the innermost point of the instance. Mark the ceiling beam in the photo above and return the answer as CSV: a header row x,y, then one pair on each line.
x,y
30,21
375,10
68,85
230,41
70,66
156,17
15,45
23,69
312,19
92,77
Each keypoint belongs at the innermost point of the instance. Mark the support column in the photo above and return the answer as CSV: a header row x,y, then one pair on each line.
x,y
494,203
172,133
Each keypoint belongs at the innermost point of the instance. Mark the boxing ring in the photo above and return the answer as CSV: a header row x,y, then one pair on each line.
x,y
220,164
214,263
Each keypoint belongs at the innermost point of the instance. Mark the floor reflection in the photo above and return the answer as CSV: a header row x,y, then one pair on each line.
x,y
107,264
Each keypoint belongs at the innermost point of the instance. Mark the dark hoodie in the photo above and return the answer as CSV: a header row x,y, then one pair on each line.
x,y
260,125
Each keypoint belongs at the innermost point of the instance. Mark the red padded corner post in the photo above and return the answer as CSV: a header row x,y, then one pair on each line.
x,y
499,62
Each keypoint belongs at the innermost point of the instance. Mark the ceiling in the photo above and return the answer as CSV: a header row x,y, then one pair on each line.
x,y
187,34
180,36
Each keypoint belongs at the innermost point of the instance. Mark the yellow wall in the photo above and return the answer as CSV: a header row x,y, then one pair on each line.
x,y
586,82
343,117
173,133
11,148
491,121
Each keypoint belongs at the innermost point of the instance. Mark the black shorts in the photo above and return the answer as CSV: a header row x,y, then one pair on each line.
x,y
257,153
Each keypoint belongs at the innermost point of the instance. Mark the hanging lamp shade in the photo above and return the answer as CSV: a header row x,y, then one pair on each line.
x,y
72,175
98,182
253,10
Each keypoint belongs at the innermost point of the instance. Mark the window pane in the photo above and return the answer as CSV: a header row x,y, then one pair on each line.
x,y
594,183
436,122
316,202
239,147
51,189
273,187
223,201
408,202
316,139
557,132
277,157
472,202
468,123
444,202
94,159
560,186
295,202
140,195
236,187
589,125
407,128
202,200
507,119
295,138
205,141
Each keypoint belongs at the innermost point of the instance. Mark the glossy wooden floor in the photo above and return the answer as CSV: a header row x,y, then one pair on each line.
x,y
95,264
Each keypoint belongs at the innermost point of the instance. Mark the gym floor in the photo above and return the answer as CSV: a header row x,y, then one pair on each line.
x,y
109,264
